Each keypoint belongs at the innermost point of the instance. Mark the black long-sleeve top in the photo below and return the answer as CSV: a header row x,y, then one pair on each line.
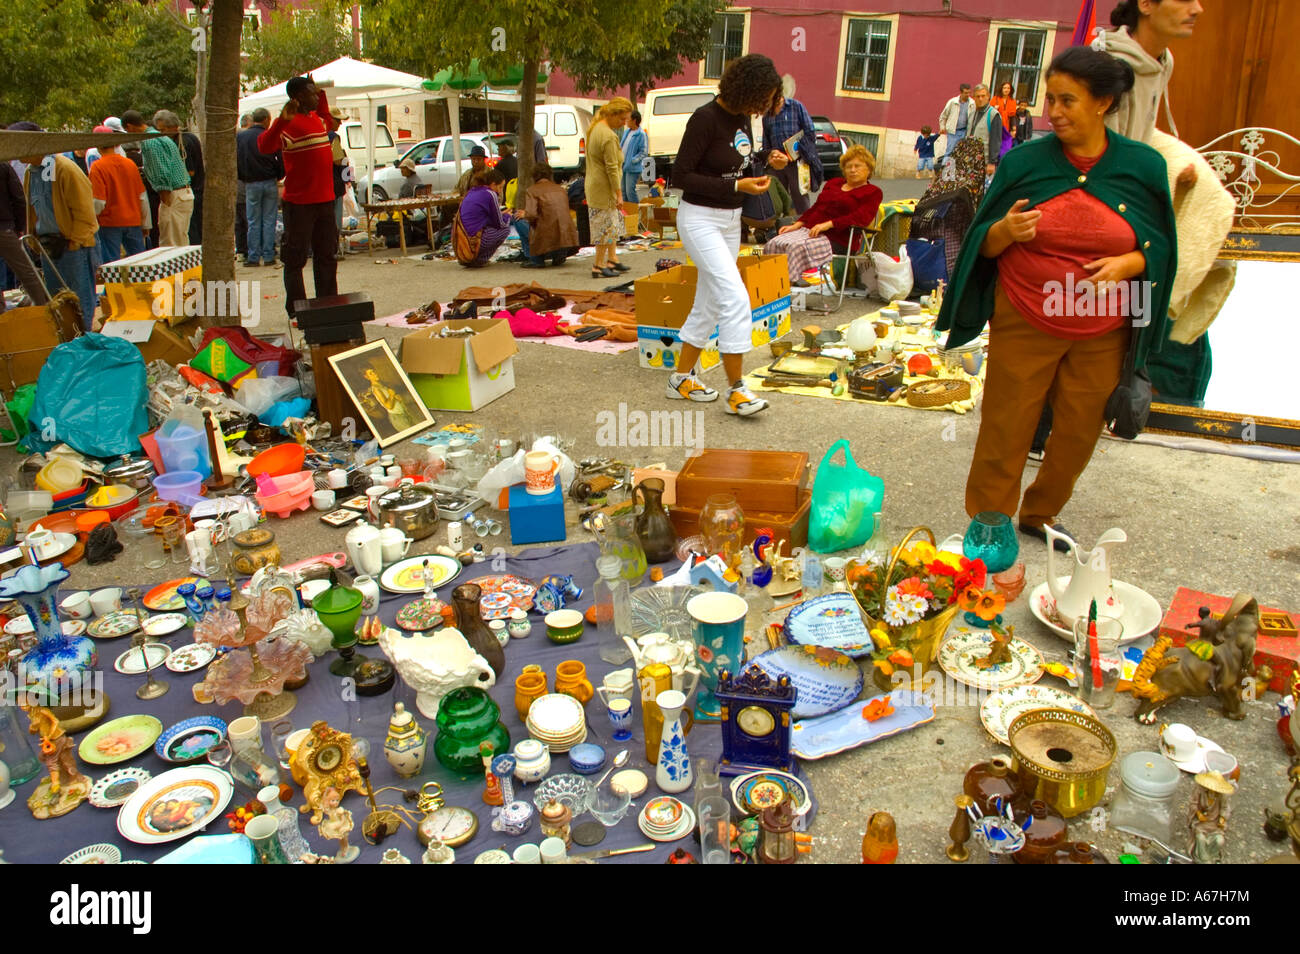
x,y
717,150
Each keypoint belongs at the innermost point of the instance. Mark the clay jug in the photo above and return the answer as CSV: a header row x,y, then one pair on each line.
x,y
988,780
653,528
1044,833
470,622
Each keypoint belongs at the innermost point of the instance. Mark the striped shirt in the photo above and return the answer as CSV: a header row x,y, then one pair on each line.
x,y
303,140
164,169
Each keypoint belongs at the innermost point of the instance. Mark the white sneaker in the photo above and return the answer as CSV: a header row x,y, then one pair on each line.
x,y
741,400
688,387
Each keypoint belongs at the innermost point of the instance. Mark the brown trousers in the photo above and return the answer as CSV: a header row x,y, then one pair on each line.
x,y
1025,368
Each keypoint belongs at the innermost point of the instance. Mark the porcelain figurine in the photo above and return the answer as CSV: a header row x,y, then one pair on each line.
x,y
434,664
333,822
66,787
1209,818
492,789
1216,666
438,854
406,744
1091,579
532,761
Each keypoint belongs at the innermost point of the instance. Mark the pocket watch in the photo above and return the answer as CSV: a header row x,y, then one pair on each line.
x,y
449,824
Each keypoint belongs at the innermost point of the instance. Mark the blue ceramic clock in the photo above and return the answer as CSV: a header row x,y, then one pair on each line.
x,y
756,722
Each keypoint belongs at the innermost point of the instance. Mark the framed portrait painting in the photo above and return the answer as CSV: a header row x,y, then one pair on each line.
x,y
382,392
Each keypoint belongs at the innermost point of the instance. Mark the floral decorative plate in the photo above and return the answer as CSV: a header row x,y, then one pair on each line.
x,y
103,854
165,623
683,827
119,740
758,790
849,727
190,739
1000,709
191,657
114,625
826,680
175,804
130,663
73,627
117,786
164,597
960,653
421,614
407,576
504,593
833,621
662,609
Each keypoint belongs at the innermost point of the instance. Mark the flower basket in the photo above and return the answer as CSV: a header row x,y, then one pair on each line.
x,y
912,646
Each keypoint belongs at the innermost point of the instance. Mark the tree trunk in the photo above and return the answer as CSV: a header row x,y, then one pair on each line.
x,y
527,109
219,148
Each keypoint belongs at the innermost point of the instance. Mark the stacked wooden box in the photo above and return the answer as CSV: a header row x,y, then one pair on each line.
x,y
771,488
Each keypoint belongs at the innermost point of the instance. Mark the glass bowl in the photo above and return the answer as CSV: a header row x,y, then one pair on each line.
x,y
608,805
572,791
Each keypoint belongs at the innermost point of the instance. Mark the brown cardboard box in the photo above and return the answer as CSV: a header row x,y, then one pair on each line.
x,y
460,374
28,335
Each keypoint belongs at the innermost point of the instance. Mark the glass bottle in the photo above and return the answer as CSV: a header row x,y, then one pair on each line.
x,y
207,597
653,528
612,609
755,596
15,748
722,525
469,620
250,765
988,780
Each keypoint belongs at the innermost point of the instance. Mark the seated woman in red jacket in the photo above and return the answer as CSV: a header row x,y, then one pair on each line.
x,y
844,203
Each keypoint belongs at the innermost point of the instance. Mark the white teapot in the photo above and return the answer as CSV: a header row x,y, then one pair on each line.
x,y
673,653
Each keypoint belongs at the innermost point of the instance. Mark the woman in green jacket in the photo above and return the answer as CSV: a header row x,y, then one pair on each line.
x,y
1072,251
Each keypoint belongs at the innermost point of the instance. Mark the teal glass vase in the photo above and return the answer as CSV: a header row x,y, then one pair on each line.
x,y
991,537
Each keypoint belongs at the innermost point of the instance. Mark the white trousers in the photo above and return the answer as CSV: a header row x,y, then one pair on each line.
x,y
174,218
711,238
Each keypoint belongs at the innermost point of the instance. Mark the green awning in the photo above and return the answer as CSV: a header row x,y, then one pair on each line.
x,y
476,78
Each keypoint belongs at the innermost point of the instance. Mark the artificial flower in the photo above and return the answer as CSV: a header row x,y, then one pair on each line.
x,y
895,613
901,608
915,586
902,657
880,638
859,573
877,708
990,605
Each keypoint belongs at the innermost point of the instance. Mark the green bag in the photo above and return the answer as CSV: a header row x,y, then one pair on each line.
x,y
20,408
845,501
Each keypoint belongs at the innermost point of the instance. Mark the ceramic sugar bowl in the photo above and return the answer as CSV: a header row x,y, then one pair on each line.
x,y
435,664
406,743
532,761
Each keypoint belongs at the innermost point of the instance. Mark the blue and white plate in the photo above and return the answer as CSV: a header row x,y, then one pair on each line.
x,y
825,679
190,739
833,621
848,728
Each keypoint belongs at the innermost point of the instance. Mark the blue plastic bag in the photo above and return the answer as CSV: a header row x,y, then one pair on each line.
x,y
845,501
91,395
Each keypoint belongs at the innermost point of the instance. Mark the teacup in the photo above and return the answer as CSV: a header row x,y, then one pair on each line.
x,y
836,569
107,600
42,542
1223,763
394,543
338,478
322,499
77,605
1178,741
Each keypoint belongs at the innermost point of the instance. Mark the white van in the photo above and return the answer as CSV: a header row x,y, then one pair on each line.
x,y
664,116
564,127
353,134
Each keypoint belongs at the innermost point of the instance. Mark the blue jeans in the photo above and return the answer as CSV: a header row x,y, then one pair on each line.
x,y
629,185
521,229
953,139
77,267
261,201
115,239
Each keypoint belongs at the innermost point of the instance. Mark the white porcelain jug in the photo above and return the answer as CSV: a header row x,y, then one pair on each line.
x,y
364,549
1091,579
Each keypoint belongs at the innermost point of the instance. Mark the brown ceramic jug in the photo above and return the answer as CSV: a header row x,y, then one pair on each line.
x,y
653,528
469,621
1044,834
987,780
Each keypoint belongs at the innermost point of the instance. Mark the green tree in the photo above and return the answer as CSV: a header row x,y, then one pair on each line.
x,y
295,41
156,68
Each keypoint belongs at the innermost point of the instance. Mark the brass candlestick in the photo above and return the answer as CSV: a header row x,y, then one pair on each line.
x,y
959,830
152,689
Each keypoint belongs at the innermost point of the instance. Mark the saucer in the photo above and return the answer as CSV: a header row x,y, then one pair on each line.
x,y
684,826
1196,764
1142,611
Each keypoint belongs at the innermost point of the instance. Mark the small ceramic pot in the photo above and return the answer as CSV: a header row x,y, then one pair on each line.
x,y
571,679
532,761
519,625
587,758
498,627
255,549
528,686
322,499
369,594
564,626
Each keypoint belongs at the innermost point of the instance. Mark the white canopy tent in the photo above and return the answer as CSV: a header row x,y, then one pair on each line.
x,y
354,83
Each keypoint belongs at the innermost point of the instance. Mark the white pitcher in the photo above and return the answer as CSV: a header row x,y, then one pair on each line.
x,y
364,548
1091,579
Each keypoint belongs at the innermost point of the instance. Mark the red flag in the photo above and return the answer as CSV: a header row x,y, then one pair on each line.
x,y
1085,25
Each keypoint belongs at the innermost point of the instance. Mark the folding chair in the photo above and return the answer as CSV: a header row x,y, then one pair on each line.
x,y
826,272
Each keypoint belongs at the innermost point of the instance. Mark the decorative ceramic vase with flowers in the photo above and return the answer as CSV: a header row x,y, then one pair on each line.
x,y
908,602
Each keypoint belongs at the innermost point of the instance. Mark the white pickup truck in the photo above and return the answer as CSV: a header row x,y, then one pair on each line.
x,y
664,116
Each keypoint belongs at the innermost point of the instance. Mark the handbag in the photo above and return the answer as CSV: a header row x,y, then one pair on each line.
x,y
929,263
1129,405
465,246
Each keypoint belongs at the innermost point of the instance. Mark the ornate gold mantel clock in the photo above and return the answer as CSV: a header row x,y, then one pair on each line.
x,y
327,759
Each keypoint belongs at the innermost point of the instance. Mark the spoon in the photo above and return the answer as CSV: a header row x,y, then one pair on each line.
x,y
619,761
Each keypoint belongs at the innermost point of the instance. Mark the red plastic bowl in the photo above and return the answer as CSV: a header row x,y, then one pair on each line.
x,y
278,461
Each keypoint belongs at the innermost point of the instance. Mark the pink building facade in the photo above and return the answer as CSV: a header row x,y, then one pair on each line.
x,y
880,76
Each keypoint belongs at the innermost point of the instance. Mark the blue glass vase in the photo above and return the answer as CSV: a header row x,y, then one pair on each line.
x,y
62,666
991,538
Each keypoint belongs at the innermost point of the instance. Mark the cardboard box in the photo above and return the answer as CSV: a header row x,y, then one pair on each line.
x,y
536,518
460,374
155,340
132,289
1279,653
664,300
29,334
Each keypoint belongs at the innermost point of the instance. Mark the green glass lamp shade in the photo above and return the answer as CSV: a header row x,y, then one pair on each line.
x,y
339,608
466,718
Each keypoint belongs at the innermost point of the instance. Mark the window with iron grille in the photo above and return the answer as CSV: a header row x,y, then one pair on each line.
x,y
871,141
1018,61
866,57
726,43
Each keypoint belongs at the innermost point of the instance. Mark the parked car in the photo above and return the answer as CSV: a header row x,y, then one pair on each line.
x,y
830,145
664,116
435,163
564,127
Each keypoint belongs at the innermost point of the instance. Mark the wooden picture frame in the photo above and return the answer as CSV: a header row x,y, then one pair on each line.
x,y
381,391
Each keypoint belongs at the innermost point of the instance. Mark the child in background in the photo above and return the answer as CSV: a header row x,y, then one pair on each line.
x,y
657,189
924,150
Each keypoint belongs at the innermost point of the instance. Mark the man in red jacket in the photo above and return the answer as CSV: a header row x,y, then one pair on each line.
x,y
301,135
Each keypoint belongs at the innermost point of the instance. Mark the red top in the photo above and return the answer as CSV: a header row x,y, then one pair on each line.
x,y
844,210
308,156
1042,277
115,179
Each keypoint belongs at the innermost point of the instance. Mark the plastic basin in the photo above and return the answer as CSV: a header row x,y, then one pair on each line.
x,y
278,461
182,486
290,493
59,475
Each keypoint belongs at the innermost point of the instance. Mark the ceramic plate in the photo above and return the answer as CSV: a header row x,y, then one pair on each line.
x,y
556,714
683,828
94,855
1000,709
165,623
164,598
421,615
959,653
191,657
190,739
1142,613
762,788
504,593
114,625
63,542
119,740
833,621
849,728
662,609
407,576
116,787
73,627
175,804
825,680
130,663
19,626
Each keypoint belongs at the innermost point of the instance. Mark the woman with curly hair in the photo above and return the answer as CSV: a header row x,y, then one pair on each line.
x,y
716,167
604,185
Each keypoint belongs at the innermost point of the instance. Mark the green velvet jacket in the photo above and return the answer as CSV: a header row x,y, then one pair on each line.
x,y
1130,178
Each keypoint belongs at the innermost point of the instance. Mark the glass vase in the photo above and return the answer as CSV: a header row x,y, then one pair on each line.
x,y
612,610
620,539
653,528
722,524
991,537
15,749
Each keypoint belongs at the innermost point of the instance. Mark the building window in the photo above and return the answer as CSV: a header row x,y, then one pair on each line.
x,y
1018,60
726,43
871,141
866,57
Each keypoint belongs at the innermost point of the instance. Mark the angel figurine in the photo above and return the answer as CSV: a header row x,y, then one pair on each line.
x,y
335,822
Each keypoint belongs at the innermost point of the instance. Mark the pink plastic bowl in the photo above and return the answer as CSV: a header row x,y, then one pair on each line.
x,y
292,492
